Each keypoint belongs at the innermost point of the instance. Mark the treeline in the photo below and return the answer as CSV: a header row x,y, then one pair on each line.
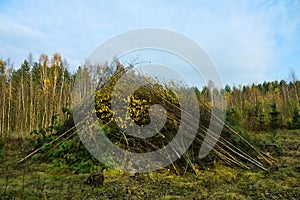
x,y
264,107
34,95
37,95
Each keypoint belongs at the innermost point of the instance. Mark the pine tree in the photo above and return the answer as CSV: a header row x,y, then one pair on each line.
x,y
233,116
295,124
262,120
275,119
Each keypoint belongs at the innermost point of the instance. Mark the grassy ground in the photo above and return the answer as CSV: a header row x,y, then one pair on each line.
x,y
32,181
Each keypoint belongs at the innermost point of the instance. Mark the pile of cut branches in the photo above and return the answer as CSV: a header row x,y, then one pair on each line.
x,y
230,148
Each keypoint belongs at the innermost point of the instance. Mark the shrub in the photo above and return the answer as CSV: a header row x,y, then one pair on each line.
x,y
1,148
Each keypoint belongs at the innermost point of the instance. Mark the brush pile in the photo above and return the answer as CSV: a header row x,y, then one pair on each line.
x,y
230,148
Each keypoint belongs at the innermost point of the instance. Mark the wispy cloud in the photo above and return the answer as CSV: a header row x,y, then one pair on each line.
x,y
10,28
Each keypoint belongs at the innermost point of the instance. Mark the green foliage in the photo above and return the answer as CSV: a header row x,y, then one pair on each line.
x,y
233,116
295,123
238,140
1,148
70,153
262,120
275,118
66,151
274,149
227,88
44,135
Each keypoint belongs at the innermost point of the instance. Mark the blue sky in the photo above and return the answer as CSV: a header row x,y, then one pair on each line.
x,y
249,41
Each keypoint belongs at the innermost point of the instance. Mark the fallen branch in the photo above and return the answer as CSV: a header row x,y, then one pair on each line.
x,y
37,150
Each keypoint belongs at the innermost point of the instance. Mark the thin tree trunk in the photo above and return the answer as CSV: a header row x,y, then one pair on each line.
x,y
9,106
